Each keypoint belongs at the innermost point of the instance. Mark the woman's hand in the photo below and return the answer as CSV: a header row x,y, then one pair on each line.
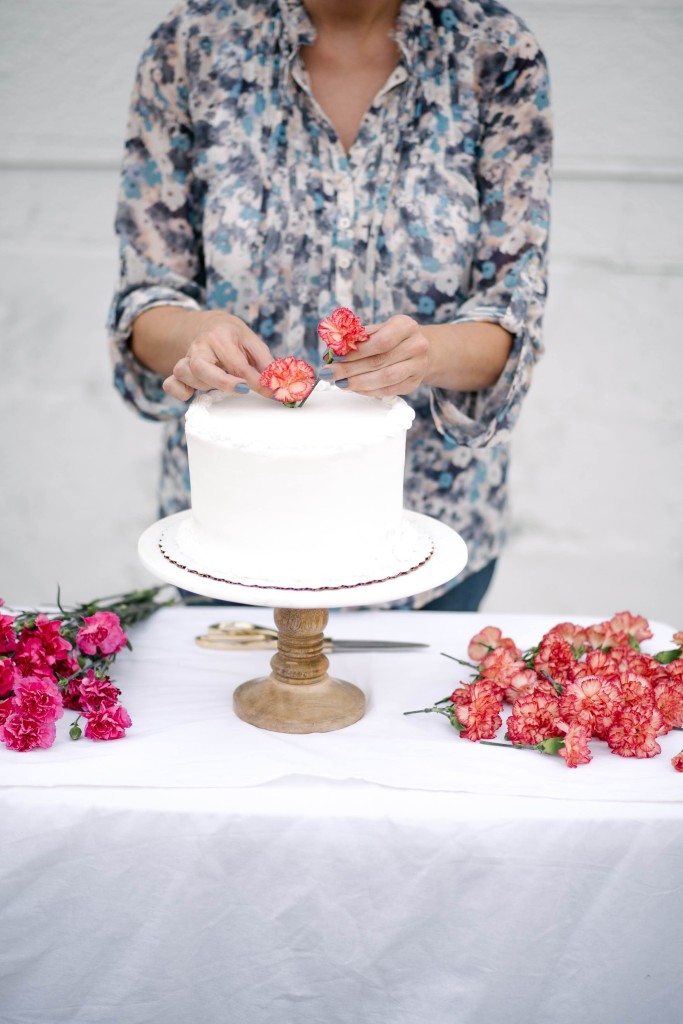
x,y
222,353
401,354
395,361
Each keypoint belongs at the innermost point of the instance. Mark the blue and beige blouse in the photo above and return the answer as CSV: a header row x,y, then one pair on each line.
x,y
236,194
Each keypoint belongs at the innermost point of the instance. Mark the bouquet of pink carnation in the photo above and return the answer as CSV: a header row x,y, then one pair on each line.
x,y
579,683
52,662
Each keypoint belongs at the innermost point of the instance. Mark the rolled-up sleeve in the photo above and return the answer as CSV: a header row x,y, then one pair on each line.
x,y
158,215
508,284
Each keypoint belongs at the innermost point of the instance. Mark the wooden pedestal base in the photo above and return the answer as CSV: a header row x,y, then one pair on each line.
x,y
299,696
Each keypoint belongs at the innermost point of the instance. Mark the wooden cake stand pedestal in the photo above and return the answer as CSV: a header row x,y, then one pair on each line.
x,y
299,696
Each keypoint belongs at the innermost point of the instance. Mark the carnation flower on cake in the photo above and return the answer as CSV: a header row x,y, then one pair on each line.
x,y
577,685
291,380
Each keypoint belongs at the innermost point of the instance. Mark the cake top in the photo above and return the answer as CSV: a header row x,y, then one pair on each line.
x,y
330,420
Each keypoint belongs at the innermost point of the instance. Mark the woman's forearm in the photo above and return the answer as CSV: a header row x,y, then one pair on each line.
x,y
163,335
466,356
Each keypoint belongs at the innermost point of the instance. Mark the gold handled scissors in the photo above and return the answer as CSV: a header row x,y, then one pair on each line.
x,y
246,636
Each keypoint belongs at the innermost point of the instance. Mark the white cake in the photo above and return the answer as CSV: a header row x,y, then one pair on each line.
x,y
306,498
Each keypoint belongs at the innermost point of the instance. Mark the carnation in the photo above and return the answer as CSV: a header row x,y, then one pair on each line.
x,y
109,723
101,634
534,717
8,639
480,712
21,732
39,698
291,380
575,750
342,332
9,676
591,701
634,735
677,761
556,657
90,693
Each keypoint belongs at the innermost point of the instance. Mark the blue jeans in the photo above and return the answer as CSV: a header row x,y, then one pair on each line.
x,y
465,596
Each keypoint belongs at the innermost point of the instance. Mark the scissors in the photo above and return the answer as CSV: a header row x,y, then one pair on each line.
x,y
246,636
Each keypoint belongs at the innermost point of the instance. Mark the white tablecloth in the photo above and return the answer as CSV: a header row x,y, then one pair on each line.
x,y
203,870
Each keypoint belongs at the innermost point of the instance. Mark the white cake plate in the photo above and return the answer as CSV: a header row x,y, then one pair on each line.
x,y
299,696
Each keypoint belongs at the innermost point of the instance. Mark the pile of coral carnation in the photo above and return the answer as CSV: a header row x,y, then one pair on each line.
x,y
578,685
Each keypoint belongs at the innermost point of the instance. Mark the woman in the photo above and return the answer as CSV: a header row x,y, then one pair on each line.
x,y
285,157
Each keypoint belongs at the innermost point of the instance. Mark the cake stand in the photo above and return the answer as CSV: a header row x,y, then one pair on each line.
x,y
299,696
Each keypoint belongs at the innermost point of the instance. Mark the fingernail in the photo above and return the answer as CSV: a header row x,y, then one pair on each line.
x,y
325,373
241,389
342,383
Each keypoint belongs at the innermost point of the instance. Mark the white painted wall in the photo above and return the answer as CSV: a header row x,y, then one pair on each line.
x,y
597,488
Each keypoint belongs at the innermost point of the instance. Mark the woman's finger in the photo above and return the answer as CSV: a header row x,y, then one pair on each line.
x,y
389,379
176,389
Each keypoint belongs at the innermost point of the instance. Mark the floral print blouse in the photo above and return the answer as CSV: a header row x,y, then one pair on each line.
x,y
237,194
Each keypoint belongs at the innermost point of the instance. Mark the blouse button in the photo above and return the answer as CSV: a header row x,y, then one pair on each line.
x,y
344,222
344,261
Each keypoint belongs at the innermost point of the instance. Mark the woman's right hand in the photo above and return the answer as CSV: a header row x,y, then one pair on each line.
x,y
223,353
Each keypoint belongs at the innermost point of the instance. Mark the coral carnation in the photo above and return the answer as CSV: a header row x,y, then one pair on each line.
x,y
534,717
488,640
290,379
480,714
591,701
635,625
575,750
342,332
101,634
556,657
677,761
633,735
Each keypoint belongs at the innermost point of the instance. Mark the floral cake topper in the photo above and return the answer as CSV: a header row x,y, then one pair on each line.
x,y
291,380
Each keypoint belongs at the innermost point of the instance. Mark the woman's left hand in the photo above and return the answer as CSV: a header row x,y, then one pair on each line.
x,y
395,360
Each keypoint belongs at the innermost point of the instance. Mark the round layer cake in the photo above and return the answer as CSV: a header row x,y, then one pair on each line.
x,y
308,498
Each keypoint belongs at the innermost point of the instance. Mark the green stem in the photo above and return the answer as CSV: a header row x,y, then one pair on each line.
x,y
467,664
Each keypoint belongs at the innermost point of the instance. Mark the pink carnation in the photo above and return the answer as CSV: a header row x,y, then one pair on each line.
x,y
9,676
47,632
101,634
534,718
89,693
8,638
39,698
342,332
290,379
109,723
480,712
678,638
21,732
677,761
575,750
603,634
31,659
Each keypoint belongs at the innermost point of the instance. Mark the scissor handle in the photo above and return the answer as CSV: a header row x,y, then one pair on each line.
x,y
247,630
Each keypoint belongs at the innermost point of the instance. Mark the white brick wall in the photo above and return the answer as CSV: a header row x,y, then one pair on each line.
x,y
597,492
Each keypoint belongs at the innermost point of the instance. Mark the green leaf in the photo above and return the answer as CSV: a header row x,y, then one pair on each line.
x,y
457,724
75,732
666,657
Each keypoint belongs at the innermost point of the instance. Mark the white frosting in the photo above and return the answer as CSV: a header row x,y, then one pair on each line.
x,y
309,497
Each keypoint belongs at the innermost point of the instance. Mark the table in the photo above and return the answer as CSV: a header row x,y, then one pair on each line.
x,y
389,873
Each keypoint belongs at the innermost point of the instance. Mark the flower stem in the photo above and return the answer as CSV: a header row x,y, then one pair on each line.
x,y
467,664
